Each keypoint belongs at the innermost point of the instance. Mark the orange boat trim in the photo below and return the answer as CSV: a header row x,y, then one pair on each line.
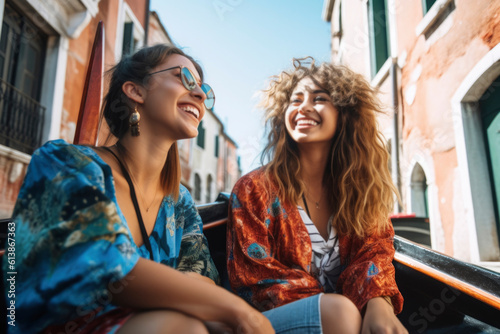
x,y
460,285
214,224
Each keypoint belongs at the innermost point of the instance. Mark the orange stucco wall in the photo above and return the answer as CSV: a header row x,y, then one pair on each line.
x,y
11,178
443,62
78,56
430,71
11,170
446,162
139,9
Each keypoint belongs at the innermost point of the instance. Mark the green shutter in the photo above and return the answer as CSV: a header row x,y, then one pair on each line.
x,y
490,115
197,187
217,146
200,140
427,4
379,34
128,38
426,196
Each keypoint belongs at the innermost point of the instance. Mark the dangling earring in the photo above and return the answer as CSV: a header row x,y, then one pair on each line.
x,y
134,119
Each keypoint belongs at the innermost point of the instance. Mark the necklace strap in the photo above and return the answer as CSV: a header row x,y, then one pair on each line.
x,y
305,203
133,195
318,201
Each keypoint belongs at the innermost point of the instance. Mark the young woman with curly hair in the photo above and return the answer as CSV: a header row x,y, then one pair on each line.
x,y
309,238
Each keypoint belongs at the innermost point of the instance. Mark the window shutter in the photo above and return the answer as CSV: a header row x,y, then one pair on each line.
x,y
216,146
489,104
427,4
197,187
128,38
379,34
200,140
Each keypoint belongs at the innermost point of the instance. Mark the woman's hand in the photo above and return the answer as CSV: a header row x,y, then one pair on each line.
x,y
198,277
255,323
252,321
379,318
218,328
249,320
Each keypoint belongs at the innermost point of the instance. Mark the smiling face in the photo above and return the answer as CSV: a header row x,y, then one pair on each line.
x,y
311,116
169,107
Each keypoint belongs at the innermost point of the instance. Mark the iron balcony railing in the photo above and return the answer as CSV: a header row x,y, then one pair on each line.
x,y
21,119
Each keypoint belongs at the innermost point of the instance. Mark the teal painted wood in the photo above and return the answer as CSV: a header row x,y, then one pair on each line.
x,y
379,34
200,140
490,116
427,4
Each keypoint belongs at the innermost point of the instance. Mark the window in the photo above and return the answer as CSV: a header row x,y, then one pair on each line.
x,y
200,140
419,192
197,187
216,146
378,33
130,34
340,20
490,117
427,4
435,13
22,57
209,189
128,39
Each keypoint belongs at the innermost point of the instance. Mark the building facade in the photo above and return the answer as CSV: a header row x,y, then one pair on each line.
x,y
44,51
230,160
214,162
436,64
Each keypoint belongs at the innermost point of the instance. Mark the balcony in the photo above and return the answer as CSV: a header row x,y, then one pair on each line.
x,y
21,119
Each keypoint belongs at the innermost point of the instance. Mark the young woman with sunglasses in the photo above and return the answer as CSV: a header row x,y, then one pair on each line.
x,y
309,238
107,240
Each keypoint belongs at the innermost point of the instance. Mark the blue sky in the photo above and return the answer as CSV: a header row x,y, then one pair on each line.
x,y
240,44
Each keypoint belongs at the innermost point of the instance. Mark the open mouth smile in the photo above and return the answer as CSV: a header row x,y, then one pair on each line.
x,y
305,123
190,109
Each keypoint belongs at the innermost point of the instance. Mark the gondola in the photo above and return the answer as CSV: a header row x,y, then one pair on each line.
x,y
442,294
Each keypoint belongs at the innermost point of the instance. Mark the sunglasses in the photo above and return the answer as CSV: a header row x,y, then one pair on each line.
x,y
189,82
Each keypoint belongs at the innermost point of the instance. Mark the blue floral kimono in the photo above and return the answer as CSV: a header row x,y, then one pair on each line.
x,y
73,244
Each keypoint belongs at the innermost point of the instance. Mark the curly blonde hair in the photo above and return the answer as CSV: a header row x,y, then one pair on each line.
x,y
360,188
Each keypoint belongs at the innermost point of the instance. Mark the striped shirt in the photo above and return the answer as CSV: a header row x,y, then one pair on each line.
x,y
325,262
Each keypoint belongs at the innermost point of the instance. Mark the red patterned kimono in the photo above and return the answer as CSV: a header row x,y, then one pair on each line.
x,y
270,253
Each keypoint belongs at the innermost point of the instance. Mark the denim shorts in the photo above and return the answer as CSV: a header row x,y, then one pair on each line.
x,y
299,317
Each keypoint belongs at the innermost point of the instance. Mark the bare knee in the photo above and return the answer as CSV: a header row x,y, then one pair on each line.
x,y
163,322
186,324
340,304
339,315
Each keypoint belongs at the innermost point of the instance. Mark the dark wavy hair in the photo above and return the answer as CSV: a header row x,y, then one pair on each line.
x,y
360,188
117,107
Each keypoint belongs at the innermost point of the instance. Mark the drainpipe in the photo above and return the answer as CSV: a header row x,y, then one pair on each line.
x,y
146,28
395,140
393,35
